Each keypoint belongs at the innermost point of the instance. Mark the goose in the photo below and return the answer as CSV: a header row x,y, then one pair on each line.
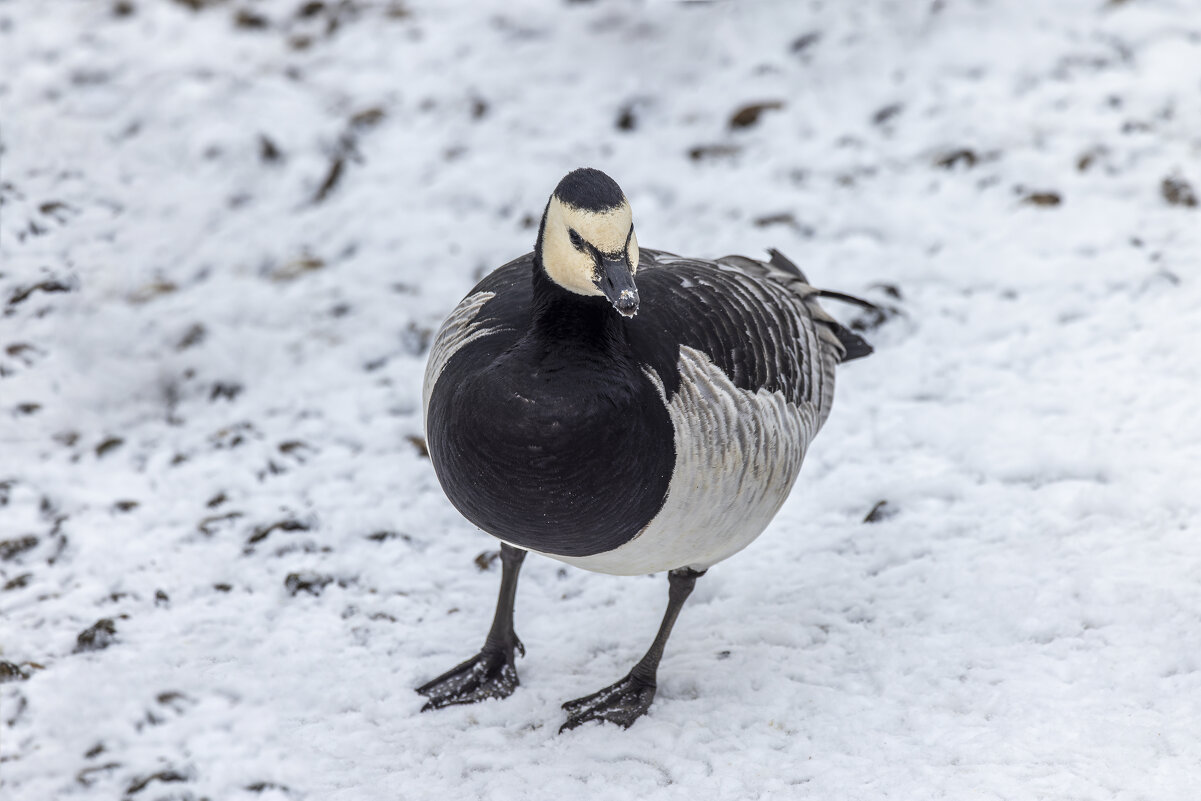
x,y
623,410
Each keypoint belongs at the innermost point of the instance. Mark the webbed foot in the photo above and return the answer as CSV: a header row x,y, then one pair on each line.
x,y
492,673
621,703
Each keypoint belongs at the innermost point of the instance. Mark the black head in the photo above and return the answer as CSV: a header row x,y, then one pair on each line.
x,y
589,190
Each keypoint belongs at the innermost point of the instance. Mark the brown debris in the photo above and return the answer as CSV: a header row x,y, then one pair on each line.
x,y
140,784
805,42
17,582
268,150
11,672
251,20
262,532
705,152
297,267
1178,192
885,114
626,121
193,336
199,5
208,526
97,637
368,118
153,290
951,159
783,218
50,285
110,444
419,443
749,114
225,390
306,581
1045,199
16,546
331,179
86,776
1089,157
881,511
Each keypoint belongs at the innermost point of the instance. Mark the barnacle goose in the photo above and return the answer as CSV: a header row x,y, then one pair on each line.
x,y
622,410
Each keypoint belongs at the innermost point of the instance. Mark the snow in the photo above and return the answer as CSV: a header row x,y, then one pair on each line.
x,y
230,335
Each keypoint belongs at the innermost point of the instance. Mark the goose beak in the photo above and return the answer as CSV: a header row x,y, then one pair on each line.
x,y
618,286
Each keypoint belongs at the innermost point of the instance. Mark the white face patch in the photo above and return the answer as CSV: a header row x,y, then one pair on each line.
x,y
608,231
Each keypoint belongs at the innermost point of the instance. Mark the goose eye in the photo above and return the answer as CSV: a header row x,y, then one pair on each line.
x,y
577,241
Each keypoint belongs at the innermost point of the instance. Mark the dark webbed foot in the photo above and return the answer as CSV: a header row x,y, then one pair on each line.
x,y
627,700
621,703
492,673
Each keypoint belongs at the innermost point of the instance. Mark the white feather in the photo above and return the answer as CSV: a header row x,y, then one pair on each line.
x,y
460,329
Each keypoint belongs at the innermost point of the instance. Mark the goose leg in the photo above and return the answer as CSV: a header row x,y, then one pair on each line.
x,y
492,673
627,700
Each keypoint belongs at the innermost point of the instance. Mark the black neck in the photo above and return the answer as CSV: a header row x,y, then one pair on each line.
x,y
563,316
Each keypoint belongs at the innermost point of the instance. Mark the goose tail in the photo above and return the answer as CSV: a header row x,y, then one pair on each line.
x,y
854,346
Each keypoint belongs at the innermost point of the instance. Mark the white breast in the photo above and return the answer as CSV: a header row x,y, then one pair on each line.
x,y
737,456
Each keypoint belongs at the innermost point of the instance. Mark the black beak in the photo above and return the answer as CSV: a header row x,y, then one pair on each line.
x,y
618,285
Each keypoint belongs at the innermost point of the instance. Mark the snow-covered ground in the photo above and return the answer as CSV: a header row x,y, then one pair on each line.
x,y
228,229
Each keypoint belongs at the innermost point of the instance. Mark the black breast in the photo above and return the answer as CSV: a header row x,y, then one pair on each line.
x,y
556,448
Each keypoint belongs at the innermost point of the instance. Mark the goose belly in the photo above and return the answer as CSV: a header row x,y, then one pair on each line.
x,y
562,471
737,455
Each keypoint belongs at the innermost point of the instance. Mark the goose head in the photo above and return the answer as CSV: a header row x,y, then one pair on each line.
x,y
586,244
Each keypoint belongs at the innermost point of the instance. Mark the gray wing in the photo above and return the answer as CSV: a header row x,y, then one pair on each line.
x,y
758,322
